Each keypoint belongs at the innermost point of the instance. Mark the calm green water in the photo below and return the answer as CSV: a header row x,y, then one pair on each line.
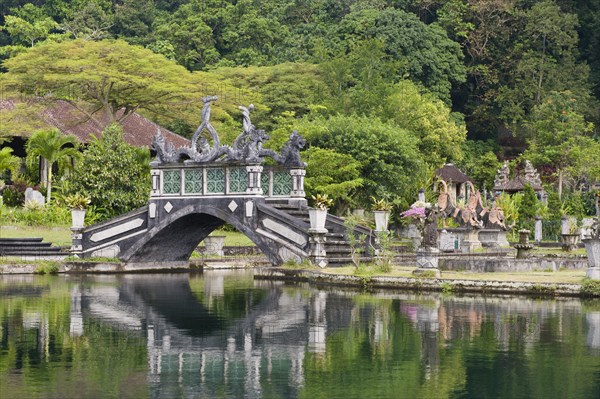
x,y
221,334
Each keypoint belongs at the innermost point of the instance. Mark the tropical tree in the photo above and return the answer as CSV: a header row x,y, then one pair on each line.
x,y
337,175
54,148
389,159
111,77
554,132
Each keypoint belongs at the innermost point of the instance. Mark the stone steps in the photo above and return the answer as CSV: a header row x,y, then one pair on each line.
x,y
336,245
28,247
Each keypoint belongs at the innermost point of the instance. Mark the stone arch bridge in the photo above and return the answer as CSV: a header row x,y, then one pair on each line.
x,y
197,189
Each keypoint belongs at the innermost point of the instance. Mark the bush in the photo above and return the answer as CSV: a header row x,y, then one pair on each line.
x,y
13,196
528,209
115,175
590,287
47,216
47,267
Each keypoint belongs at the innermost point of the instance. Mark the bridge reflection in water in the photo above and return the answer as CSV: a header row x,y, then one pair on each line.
x,y
224,332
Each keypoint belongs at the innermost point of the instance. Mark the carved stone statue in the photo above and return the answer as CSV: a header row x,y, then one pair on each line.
x,y
247,147
290,153
165,152
430,228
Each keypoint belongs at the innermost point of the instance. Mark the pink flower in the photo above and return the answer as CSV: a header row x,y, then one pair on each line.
x,y
415,213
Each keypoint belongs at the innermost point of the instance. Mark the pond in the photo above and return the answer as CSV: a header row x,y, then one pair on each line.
x,y
222,334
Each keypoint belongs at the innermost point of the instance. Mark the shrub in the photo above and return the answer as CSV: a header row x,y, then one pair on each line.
x,y
114,174
590,287
47,267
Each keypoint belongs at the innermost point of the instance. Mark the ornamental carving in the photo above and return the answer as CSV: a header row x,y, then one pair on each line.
x,y
247,148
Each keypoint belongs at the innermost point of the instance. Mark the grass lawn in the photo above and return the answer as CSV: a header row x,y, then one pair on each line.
x,y
563,276
61,235
58,235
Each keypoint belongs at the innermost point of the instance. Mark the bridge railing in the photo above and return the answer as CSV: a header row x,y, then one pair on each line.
x,y
218,179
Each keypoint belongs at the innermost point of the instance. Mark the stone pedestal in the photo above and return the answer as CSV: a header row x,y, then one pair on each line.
x,y
470,241
569,241
449,242
214,245
317,252
523,247
492,238
592,249
427,261
537,235
76,242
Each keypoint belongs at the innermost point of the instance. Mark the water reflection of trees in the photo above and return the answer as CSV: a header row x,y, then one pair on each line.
x,y
225,334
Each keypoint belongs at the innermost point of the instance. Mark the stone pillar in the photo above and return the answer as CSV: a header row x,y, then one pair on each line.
x,y
254,173
155,173
537,235
317,252
77,242
298,183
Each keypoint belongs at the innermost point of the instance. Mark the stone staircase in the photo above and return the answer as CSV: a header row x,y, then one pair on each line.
x,y
29,247
337,246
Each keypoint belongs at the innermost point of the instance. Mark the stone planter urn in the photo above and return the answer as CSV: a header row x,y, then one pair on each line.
x,y
318,217
214,245
382,219
569,241
77,218
592,249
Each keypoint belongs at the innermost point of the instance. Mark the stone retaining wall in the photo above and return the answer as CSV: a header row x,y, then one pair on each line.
x,y
419,284
511,264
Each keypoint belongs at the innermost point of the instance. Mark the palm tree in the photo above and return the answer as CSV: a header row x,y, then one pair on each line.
x,y
8,161
53,147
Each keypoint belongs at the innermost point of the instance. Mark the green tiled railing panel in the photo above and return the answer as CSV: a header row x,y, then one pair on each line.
x,y
264,182
238,180
282,183
193,181
171,182
215,180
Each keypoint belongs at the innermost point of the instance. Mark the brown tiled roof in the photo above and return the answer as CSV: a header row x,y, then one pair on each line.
x,y
449,172
138,130
517,184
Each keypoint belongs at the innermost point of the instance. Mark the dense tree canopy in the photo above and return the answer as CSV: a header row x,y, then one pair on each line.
x,y
110,76
437,71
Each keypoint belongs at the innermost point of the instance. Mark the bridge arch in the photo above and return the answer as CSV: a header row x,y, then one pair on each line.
x,y
174,237
199,188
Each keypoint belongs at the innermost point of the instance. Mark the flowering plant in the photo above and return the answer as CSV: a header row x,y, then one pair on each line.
x,y
417,210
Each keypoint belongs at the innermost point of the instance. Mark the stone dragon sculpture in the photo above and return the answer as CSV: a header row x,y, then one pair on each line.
x,y
246,148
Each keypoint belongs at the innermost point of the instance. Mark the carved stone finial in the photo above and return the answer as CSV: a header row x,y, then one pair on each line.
x,y
246,122
531,175
502,176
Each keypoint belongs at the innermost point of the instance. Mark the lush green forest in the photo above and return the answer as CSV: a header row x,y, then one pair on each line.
x,y
385,91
